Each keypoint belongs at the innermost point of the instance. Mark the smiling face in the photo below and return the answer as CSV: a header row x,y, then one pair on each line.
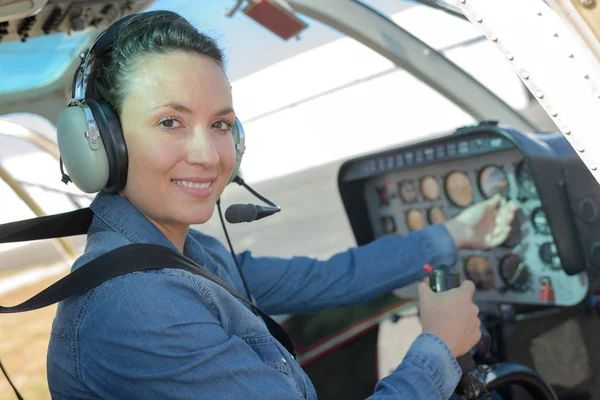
x,y
177,118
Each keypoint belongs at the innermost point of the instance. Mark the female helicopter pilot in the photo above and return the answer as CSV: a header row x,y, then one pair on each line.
x,y
168,333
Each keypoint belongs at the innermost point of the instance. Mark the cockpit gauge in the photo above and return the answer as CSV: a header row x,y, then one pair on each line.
x,y
539,221
548,254
436,215
515,273
459,189
430,189
478,270
515,235
415,220
388,224
382,194
408,191
525,180
493,180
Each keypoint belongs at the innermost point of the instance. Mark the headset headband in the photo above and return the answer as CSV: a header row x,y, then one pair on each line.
x,y
100,46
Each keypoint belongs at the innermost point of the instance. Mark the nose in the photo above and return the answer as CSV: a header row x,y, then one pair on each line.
x,y
202,148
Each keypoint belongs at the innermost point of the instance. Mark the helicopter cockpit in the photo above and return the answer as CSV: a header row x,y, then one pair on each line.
x,y
536,292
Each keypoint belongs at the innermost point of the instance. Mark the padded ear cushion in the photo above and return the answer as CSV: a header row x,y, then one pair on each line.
x,y
86,162
109,126
239,141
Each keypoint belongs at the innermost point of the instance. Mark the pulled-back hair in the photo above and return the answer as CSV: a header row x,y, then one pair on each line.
x,y
154,32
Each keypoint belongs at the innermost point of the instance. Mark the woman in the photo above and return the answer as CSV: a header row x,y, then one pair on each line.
x,y
170,334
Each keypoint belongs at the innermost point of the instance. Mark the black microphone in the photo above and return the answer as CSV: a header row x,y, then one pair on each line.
x,y
237,213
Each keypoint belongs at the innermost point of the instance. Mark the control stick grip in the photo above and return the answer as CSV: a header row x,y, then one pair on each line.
x,y
442,280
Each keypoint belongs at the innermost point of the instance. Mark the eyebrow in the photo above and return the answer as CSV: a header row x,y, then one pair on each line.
x,y
182,108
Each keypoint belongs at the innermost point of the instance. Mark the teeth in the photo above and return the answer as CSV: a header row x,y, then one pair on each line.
x,y
193,185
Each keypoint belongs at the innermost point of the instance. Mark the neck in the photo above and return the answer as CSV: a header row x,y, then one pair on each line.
x,y
176,234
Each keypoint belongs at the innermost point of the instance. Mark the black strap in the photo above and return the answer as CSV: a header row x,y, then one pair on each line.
x,y
49,227
127,259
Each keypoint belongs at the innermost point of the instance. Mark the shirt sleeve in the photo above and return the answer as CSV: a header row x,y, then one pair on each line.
x,y
428,371
304,285
156,336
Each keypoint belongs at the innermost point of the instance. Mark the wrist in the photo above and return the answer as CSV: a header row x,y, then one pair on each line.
x,y
457,232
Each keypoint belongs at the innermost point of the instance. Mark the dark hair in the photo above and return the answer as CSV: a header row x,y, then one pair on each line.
x,y
154,32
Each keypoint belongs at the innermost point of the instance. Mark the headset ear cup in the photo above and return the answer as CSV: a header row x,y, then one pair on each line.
x,y
109,126
85,159
239,141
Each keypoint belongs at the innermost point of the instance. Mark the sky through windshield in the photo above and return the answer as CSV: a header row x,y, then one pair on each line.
x,y
41,60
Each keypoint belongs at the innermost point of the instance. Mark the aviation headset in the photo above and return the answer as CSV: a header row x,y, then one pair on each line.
x,y
89,134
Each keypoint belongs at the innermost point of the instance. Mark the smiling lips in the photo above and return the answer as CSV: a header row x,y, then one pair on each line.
x,y
196,187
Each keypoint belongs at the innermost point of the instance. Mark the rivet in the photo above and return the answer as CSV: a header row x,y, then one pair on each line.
x,y
579,147
566,131
586,77
571,56
556,35
539,95
462,1
478,20
539,14
553,113
510,56
524,75
593,167
494,38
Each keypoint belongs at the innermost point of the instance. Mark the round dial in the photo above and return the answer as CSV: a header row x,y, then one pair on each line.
x,y
524,179
382,194
436,215
459,189
548,254
408,191
415,220
515,236
388,224
430,189
492,180
478,270
539,221
515,273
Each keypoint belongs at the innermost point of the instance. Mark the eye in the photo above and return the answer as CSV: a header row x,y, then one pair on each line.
x,y
223,125
168,123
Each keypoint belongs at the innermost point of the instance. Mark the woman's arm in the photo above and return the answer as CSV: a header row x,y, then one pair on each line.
x,y
173,335
303,284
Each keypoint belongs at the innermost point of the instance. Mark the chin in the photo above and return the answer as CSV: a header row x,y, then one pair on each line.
x,y
198,216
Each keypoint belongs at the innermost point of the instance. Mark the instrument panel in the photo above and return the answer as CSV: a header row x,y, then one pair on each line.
x,y
412,188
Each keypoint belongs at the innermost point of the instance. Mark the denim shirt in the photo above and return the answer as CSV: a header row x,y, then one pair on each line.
x,y
168,333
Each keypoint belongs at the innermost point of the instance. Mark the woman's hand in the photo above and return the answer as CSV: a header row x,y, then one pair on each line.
x,y
483,225
451,316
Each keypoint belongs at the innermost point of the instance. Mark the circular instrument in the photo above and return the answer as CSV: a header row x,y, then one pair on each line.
x,y
515,236
430,189
415,220
478,270
549,256
524,179
436,215
493,180
382,194
515,273
459,189
539,221
408,191
388,224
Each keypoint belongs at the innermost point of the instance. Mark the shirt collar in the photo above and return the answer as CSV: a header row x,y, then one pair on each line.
x,y
124,218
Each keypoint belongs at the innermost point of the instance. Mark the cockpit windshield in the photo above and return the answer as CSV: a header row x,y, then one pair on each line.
x,y
39,61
